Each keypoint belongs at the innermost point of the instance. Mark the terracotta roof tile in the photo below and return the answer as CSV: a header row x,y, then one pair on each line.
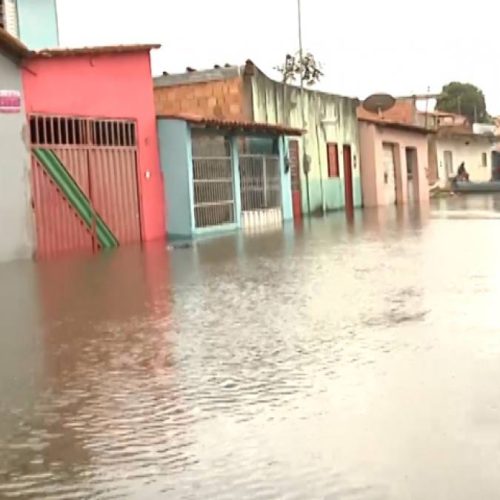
x,y
234,125
394,124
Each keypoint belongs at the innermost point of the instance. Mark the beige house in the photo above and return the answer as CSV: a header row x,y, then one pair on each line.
x,y
457,145
393,163
394,156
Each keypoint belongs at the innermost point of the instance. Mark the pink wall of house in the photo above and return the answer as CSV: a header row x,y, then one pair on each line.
x,y
113,85
373,136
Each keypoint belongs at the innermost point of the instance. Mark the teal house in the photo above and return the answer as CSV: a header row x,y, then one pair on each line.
x,y
223,175
34,22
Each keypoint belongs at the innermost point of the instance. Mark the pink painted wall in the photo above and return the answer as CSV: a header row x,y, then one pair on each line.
x,y
106,86
372,137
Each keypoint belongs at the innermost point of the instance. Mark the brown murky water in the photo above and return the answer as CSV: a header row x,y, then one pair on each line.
x,y
342,360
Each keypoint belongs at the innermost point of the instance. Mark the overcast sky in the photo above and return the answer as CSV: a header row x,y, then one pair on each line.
x,y
365,46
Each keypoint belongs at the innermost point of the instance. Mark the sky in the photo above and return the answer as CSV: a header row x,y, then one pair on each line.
x,y
364,46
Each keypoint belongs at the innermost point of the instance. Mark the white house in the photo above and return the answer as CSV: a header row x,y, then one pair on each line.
x,y
458,145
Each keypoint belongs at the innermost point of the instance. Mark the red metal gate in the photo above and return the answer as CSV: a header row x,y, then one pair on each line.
x,y
100,156
294,159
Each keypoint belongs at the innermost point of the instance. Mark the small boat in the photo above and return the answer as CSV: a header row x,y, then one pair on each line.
x,y
476,187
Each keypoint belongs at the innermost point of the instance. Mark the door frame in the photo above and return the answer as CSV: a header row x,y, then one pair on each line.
x,y
348,181
411,154
294,165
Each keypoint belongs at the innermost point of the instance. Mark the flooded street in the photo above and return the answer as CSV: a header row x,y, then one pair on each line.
x,y
339,360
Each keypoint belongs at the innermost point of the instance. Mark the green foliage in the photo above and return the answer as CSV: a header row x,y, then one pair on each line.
x,y
294,68
464,99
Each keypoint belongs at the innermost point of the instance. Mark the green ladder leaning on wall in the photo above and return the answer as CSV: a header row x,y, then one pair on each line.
x,y
63,179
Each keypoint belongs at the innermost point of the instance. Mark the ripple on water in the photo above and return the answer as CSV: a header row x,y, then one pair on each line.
x,y
314,366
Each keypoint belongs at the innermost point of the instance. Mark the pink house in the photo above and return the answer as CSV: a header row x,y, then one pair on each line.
x,y
96,177
394,161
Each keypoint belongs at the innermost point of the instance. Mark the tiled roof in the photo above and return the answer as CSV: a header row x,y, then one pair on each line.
x,y
464,132
436,112
394,124
235,125
90,51
12,44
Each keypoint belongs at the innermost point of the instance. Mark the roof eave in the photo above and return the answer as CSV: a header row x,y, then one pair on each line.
x,y
12,45
247,127
401,126
92,51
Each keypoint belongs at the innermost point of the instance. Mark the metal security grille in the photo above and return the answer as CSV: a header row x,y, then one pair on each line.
x,y
213,191
72,131
212,180
260,182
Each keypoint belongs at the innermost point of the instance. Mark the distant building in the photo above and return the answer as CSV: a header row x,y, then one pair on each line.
x,y
394,156
457,145
34,22
325,176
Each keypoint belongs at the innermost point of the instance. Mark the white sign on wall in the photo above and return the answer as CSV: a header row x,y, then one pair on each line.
x,y
10,101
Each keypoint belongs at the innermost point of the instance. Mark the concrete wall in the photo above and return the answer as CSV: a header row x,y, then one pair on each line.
x,y
37,20
468,150
16,229
329,118
372,196
106,86
176,163
372,138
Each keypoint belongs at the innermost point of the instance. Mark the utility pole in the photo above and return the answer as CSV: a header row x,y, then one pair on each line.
x,y
305,163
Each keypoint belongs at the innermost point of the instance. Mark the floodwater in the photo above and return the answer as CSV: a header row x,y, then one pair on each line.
x,y
346,359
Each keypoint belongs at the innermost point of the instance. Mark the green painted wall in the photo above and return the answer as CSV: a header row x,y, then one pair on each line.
x,y
37,22
330,118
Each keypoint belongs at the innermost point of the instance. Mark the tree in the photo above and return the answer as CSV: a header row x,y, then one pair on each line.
x,y
294,67
464,99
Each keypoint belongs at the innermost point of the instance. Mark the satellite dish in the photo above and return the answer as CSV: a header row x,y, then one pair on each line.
x,y
378,103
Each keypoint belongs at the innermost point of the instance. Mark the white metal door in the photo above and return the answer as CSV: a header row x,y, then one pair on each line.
x,y
389,175
448,164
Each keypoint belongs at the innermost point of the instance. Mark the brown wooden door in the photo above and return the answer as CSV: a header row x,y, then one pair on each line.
x,y
294,158
349,200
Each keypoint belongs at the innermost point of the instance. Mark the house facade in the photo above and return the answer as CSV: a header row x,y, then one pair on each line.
x,y
95,168
455,146
393,163
394,156
223,175
326,160
16,241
